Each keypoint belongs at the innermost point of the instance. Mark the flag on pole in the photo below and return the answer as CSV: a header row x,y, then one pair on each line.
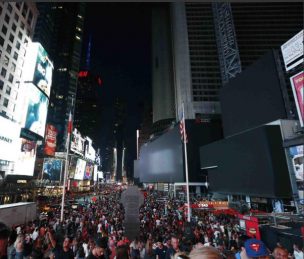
x,y
70,124
182,128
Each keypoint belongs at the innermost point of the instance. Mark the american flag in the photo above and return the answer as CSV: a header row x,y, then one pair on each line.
x,y
70,124
182,128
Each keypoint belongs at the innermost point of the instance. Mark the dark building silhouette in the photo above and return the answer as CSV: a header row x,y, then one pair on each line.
x,y
60,30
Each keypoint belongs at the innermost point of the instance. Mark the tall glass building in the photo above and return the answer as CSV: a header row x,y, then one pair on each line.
x,y
62,33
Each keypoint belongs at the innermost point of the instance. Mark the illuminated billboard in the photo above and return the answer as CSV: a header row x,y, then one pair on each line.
x,y
36,110
89,168
95,177
292,51
90,152
72,167
9,139
52,169
25,163
50,140
297,85
297,160
38,69
80,169
77,143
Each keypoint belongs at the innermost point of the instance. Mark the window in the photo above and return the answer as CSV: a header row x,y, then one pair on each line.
x,y
14,27
3,72
6,60
22,26
4,29
16,17
1,41
11,38
28,32
6,19
9,8
5,102
1,9
24,10
8,90
20,35
15,56
13,67
9,49
10,78
1,84
18,45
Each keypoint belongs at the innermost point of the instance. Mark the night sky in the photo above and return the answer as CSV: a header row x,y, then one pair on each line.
x,y
121,54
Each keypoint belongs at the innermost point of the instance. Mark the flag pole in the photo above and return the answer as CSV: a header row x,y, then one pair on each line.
x,y
66,165
186,166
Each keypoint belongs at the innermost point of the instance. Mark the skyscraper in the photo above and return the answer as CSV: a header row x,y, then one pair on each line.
x,y
196,66
65,50
162,69
245,33
18,20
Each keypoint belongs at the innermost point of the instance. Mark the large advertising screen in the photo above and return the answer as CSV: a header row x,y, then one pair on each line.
x,y
297,84
50,140
38,67
80,168
37,106
292,51
9,139
90,152
162,159
25,162
77,143
297,159
72,167
95,177
52,169
88,174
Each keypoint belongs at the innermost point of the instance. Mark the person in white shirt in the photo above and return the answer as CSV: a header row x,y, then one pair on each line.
x,y
297,253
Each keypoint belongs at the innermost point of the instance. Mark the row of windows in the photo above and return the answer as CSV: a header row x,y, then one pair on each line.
x,y
3,74
199,99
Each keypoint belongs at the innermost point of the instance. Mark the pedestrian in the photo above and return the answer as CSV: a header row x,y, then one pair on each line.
x,y
297,253
4,235
174,247
98,251
63,251
205,252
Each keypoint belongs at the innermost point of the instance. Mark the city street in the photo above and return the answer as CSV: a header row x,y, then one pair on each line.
x,y
151,130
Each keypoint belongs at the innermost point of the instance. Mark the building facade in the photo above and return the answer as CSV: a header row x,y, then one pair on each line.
x,y
65,49
18,20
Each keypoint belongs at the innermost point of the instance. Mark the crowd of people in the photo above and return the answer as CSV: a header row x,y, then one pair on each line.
x,y
96,230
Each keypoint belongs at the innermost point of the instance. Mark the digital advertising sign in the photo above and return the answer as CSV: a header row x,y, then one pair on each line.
x,y
52,169
25,162
80,169
88,174
90,152
9,139
297,85
38,68
297,160
36,110
77,142
50,140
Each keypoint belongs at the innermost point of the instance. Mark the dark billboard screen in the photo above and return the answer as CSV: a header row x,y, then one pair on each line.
x,y
162,159
252,163
253,98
